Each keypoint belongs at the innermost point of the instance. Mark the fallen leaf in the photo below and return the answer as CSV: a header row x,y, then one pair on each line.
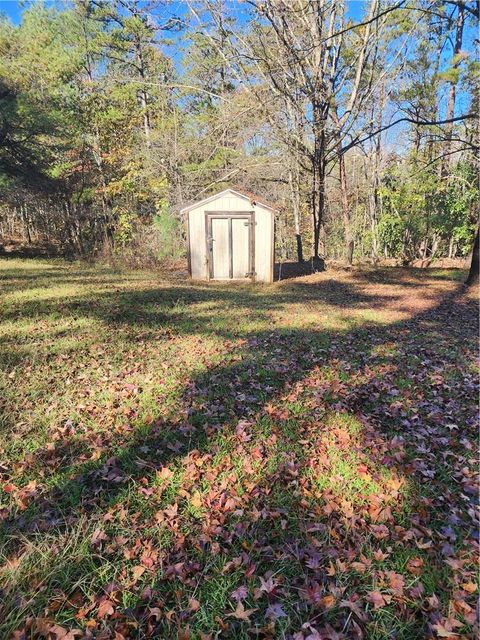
x,y
275,611
358,566
241,613
414,565
378,599
396,582
196,500
105,608
444,633
138,571
327,601
240,593
193,605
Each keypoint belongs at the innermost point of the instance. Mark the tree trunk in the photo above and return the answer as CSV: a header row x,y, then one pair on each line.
x,y
374,198
453,89
451,246
319,172
146,117
294,190
26,223
347,218
435,243
318,198
143,95
474,265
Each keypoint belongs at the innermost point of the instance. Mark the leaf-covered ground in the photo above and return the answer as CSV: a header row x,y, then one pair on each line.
x,y
209,461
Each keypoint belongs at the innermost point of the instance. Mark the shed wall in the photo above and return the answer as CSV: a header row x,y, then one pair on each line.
x,y
263,235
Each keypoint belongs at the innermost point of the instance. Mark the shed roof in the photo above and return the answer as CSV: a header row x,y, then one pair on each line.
x,y
251,197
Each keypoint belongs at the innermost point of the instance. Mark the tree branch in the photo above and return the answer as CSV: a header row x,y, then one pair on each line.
x,y
427,123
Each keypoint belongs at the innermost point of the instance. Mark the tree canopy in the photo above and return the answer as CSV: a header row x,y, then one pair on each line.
x,y
359,119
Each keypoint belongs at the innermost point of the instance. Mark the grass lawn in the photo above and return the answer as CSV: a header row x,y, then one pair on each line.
x,y
207,461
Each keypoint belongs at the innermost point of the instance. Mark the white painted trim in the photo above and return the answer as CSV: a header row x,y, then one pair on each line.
x,y
194,205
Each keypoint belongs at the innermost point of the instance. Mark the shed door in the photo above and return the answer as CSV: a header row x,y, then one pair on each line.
x,y
220,250
230,250
240,247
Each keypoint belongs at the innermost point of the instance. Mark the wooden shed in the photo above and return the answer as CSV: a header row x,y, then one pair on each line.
x,y
230,236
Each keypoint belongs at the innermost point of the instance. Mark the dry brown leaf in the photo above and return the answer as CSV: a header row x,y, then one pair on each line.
x,y
378,599
358,566
184,634
105,608
444,633
397,582
196,500
414,565
241,613
137,571
193,605
327,601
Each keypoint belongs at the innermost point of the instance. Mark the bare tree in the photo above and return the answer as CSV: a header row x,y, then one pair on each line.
x,y
457,46
293,53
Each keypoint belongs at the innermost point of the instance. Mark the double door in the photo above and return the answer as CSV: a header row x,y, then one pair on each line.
x,y
230,245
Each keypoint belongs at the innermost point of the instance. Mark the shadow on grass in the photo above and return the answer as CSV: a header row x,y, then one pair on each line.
x,y
251,436
174,305
409,277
